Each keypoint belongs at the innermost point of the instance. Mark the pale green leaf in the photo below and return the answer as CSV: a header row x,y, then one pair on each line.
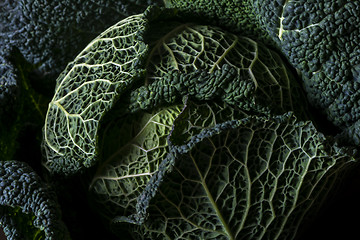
x,y
86,90
132,147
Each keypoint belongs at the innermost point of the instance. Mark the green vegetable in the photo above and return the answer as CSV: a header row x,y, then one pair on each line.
x,y
28,207
53,32
189,121
47,35
319,38
117,108
218,63
85,90
131,149
237,15
254,178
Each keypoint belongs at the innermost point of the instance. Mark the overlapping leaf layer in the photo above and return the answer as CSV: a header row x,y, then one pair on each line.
x,y
85,90
190,131
256,178
131,151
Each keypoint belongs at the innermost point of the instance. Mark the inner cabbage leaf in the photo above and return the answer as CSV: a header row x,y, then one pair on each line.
x,y
132,147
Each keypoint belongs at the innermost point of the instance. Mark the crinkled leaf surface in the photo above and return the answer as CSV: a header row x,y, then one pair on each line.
x,y
133,146
256,178
206,61
319,38
197,116
28,206
19,225
31,106
131,151
182,59
85,90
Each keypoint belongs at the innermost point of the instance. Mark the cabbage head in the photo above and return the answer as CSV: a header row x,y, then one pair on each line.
x,y
187,131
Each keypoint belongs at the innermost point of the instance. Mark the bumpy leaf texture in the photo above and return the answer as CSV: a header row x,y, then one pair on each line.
x,y
207,62
85,90
30,111
131,149
62,28
47,34
28,207
322,40
256,175
319,38
197,116
255,178
236,15
153,60
9,13
52,33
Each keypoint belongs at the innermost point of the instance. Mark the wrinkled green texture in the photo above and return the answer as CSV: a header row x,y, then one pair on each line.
x,y
169,61
319,38
131,151
207,62
19,225
236,15
52,33
116,103
85,90
197,116
22,192
230,164
47,35
256,178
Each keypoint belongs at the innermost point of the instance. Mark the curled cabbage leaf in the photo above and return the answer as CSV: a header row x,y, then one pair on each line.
x,y
155,59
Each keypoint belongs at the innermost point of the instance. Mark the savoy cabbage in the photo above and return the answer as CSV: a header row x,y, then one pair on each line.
x,y
319,38
201,61
185,122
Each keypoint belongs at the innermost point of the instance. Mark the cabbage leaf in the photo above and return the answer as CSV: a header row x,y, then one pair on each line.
x,y
255,178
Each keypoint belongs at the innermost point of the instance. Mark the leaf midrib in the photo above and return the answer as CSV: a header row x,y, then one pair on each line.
x,y
212,201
